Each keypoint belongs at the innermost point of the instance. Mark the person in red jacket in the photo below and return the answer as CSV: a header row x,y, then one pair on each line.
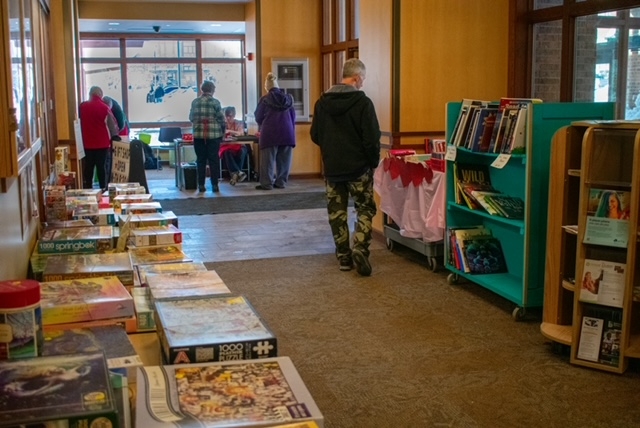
x,y
98,125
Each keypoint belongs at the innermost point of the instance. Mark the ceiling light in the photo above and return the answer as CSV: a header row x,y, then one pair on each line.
x,y
216,25
114,23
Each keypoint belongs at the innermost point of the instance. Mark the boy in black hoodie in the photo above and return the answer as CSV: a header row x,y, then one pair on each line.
x,y
346,128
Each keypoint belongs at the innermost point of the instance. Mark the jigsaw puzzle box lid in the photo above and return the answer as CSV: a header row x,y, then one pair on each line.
x,y
253,393
68,390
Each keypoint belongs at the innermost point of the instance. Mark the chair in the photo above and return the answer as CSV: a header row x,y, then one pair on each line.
x,y
168,135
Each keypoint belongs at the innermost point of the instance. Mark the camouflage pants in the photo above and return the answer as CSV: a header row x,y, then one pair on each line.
x,y
361,190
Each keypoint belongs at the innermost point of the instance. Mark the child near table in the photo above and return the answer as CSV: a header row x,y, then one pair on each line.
x,y
234,155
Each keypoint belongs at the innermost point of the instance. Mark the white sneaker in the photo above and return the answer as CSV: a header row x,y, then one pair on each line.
x,y
234,179
241,176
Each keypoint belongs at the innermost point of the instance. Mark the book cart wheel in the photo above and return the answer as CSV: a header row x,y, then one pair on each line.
x,y
433,264
518,313
452,278
389,243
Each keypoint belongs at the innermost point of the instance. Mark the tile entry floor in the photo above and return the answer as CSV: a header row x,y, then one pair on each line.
x,y
252,235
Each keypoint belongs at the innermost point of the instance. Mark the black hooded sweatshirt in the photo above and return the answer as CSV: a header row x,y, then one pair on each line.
x,y
346,128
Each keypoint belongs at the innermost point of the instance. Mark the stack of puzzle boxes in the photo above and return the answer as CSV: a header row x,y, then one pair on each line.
x,y
205,331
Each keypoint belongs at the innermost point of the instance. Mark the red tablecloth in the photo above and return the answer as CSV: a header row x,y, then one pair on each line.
x,y
413,196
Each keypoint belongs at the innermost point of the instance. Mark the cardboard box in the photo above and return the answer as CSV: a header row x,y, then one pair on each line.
x,y
179,285
84,300
278,395
212,329
62,390
141,208
104,217
73,266
144,310
87,240
111,339
155,235
157,254
148,219
144,270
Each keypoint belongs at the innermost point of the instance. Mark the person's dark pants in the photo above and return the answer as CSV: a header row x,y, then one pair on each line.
x,y
235,160
207,152
94,159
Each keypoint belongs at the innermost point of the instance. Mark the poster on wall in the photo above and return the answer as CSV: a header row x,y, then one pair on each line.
x,y
121,162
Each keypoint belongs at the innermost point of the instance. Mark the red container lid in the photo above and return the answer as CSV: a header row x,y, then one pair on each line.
x,y
19,293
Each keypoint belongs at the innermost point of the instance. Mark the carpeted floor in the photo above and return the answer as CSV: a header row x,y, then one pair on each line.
x,y
403,348
276,201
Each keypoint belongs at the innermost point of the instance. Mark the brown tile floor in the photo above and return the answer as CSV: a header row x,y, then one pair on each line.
x,y
252,235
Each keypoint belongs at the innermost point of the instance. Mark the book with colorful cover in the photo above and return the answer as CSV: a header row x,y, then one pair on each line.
x,y
481,198
84,300
255,393
509,206
482,133
502,122
158,254
144,270
111,339
88,240
470,190
464,234
212,329
470,174
73,266
608,214
176,285
62,390
484,255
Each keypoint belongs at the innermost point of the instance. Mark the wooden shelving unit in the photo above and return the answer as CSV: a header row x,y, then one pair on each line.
x,y
606,153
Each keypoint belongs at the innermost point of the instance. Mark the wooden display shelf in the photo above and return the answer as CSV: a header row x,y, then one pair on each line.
x,y
557,333
567,285
633,350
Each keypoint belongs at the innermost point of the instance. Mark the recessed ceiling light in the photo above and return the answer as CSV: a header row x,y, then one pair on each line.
x,y
216,25
114,23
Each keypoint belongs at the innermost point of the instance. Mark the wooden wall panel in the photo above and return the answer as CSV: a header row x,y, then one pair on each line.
x,y
450,49
376,53
292,29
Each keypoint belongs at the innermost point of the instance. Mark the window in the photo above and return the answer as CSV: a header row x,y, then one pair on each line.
x,y
547,56
160,48
340,32
156,79
228,81
598,61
